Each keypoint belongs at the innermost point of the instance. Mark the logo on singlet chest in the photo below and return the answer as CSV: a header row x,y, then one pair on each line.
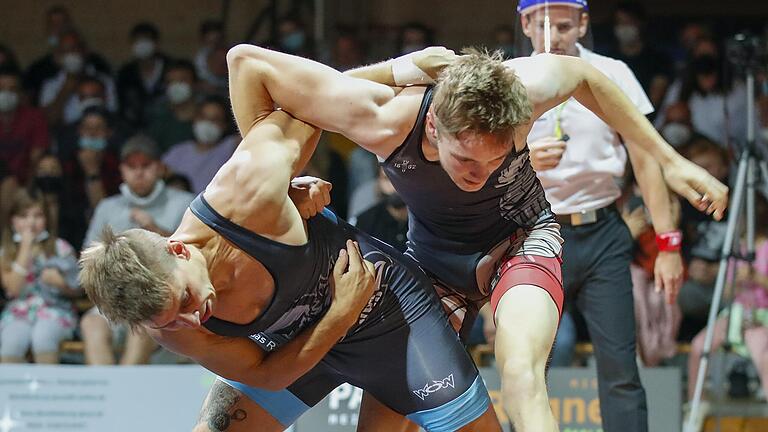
x,y
404,165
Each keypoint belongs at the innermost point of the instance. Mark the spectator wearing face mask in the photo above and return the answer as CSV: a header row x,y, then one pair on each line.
x,y
140,81
23,129
718,106
145,202
199,159
388,219
292,38
89,155
651,67
59,94
169,120
57,22
678,130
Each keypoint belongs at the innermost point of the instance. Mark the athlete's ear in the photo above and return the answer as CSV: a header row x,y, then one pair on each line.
x,y
583,24
525,20
178,249
430,125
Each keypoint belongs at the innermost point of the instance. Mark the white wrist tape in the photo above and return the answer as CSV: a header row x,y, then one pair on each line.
x,y
405,72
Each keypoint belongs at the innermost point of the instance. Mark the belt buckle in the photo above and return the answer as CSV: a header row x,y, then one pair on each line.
x,y
583,218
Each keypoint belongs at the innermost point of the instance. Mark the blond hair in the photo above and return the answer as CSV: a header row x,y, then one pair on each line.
x,y
478,93
127,275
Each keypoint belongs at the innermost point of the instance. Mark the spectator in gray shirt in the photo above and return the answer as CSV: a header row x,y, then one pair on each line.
x,y
143,202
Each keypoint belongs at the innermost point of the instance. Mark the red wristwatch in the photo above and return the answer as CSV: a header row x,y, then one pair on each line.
x,y
669,241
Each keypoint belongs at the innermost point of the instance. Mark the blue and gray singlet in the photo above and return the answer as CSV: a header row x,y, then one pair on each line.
x,y
402,349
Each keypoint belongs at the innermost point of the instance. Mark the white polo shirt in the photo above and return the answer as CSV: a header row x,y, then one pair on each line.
x,y
594,157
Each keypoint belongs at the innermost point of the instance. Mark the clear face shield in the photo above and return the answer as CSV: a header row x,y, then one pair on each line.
x,y
552,26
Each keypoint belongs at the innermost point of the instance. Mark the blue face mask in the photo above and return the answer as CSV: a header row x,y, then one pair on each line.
x,y
293,41
93,143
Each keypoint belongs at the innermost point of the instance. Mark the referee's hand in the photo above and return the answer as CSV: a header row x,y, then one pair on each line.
x,y
546,152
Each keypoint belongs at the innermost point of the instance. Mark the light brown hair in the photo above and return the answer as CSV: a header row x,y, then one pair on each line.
x,y
478,93
127,275
23,200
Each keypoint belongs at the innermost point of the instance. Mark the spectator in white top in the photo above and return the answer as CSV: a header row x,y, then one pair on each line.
x,y
144,202
201,158
578,158
58,94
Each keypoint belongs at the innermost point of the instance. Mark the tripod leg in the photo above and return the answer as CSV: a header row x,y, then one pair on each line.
x,y
730,234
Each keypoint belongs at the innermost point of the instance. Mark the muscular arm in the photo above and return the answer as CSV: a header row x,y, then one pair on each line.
x,y
669,266
315,93
241,360
552,79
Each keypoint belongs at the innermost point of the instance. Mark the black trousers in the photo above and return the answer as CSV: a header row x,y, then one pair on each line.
x,y
596,259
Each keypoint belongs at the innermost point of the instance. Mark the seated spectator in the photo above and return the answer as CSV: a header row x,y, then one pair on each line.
x,y
745,325
347,50
217,83
169,120
677,128
651,66
23,129
201,158
89,154
140,81
718,106
39,275
63,204
504,40
414,36
292,38
211,36
388,219
57,22
60,94
144,202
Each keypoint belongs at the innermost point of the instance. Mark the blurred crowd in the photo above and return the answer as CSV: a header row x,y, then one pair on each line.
x,y
85,144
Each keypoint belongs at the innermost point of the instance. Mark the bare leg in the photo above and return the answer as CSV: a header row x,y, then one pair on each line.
x,y
756,339
13,360
138,348
697,346
227,409
97,338
526,320
375,417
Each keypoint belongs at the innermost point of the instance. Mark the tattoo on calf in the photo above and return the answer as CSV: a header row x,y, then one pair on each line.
x,y
220,411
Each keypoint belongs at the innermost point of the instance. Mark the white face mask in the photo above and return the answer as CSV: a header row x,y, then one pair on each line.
x,y
72,63
206,131
676,134
626,33
143,48
140,201
9,100
41,237
178,92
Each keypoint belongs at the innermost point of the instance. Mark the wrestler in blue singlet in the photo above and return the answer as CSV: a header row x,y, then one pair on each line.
x,y
401,350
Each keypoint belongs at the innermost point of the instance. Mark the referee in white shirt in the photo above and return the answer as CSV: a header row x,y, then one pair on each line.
x,y
578,157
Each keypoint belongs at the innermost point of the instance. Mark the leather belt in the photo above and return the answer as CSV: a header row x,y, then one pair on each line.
x,y
585,217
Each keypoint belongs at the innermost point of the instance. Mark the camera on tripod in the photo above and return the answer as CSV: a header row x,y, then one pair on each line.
x,y
747,51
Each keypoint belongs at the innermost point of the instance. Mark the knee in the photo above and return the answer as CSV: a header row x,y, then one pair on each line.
x,y
522,380
94,328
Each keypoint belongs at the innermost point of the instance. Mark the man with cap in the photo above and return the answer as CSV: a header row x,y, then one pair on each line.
x,y
145,202
479,222
578,157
